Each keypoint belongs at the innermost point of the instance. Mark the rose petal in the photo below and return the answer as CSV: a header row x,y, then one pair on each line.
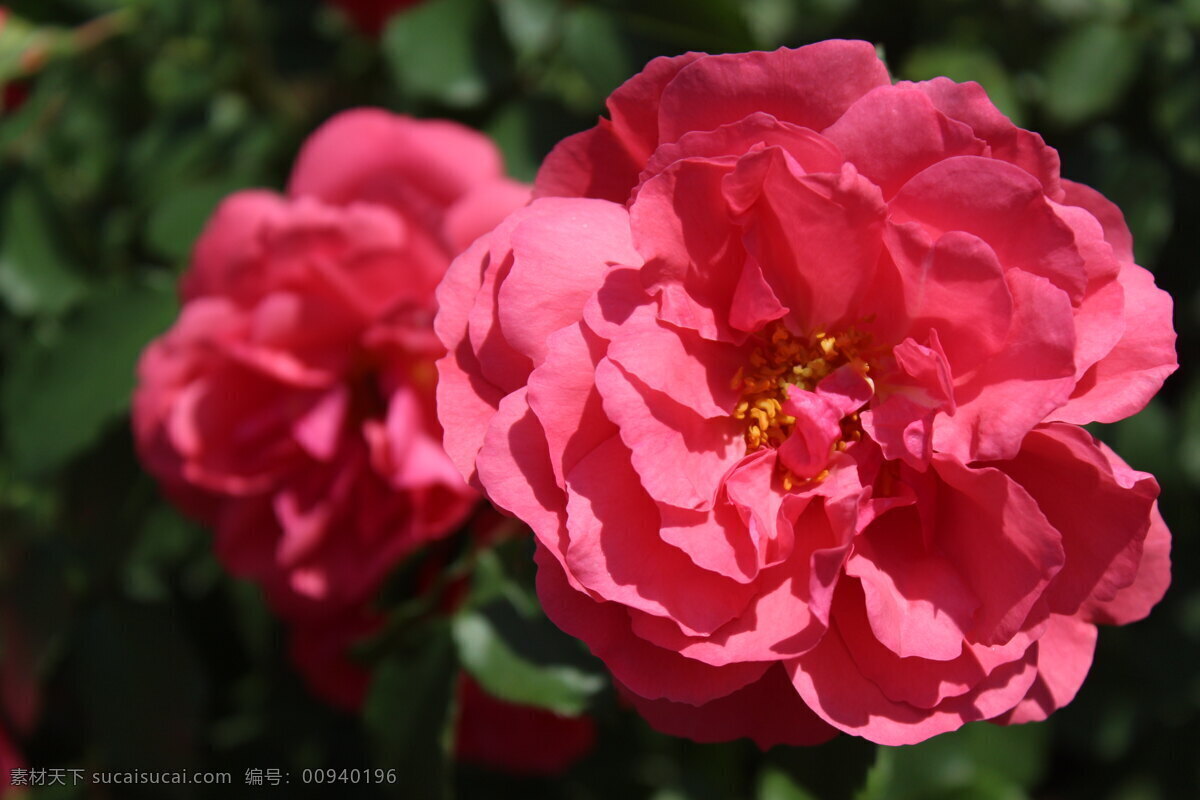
x,y
650,672
768,711
1011,553
893,132
616,552
811,86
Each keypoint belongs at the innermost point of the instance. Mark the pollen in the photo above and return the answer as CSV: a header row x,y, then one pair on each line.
x,y
781,359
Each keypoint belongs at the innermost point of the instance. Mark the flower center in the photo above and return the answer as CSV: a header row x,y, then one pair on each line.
x,y
782,359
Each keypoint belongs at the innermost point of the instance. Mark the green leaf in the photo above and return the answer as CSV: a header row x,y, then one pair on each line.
x,y
408,712
531,25
1178,115
1189,447
34,275
500,670
165,542
1088,71
1147,440
446,51
22,43
978,760
594,45
57,397
715,25
771,21
775,784
176,222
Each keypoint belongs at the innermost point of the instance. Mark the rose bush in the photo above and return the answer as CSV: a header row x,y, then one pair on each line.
x,y
785,368
291,404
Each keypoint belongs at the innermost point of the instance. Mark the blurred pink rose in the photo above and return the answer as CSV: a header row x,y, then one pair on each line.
x,y
291,405
371,15
787,382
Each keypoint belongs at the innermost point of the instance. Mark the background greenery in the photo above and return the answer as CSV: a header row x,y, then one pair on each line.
x,y
142,114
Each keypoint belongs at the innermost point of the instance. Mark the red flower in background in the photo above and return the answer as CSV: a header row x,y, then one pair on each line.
x,y
787,381
291,405
14,93
370,16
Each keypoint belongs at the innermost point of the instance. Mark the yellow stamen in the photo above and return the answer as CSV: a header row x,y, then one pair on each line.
x,y
780,361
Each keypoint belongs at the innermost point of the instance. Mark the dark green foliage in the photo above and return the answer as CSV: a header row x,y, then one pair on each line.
x,y
142,114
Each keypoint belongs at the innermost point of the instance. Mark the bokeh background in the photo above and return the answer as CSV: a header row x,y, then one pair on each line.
x,y
123,644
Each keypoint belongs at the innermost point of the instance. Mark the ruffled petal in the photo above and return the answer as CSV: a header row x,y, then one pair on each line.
x,y
767,711
816,237
1060,464
1011,553
1153,577
680,457
562,248
649,671
616,552
1064,657
810,86
893,132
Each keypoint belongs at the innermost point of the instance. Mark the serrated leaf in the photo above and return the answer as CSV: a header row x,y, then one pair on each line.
x,y
56,398
502,672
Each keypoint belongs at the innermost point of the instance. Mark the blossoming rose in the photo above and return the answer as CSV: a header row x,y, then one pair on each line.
x,y
291,405
785,369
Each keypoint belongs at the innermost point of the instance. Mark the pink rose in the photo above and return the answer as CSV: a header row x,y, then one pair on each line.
x,y
291,405
786,379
